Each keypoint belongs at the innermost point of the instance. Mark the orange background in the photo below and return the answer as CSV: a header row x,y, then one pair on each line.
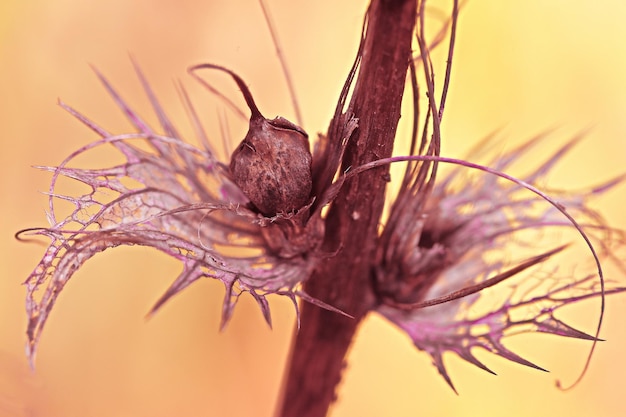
x,y
520,66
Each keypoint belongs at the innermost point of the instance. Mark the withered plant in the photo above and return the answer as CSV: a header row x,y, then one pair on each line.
x,y
282,219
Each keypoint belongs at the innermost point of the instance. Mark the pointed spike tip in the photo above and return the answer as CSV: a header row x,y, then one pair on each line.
x,y
247,95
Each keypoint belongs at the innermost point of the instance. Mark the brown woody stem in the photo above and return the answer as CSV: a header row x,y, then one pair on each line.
x,y
344,281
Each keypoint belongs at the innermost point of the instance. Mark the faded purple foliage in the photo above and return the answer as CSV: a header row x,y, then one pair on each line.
x,y
449,234
468,229
180,201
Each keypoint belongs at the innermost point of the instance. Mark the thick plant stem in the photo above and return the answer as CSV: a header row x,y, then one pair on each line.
x,y
345,281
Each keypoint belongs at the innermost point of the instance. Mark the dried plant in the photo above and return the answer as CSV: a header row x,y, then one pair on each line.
x,y
280,219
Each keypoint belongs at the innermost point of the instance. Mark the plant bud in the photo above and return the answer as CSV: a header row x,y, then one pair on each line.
x,y
272,165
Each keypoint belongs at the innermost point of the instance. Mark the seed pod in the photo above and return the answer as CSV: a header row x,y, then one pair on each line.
x,y
272,165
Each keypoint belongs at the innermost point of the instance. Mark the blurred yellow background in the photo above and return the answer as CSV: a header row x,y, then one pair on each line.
x,y
521,66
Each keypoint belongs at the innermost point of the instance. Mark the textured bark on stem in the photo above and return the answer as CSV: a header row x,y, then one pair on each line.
x,y
345,281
